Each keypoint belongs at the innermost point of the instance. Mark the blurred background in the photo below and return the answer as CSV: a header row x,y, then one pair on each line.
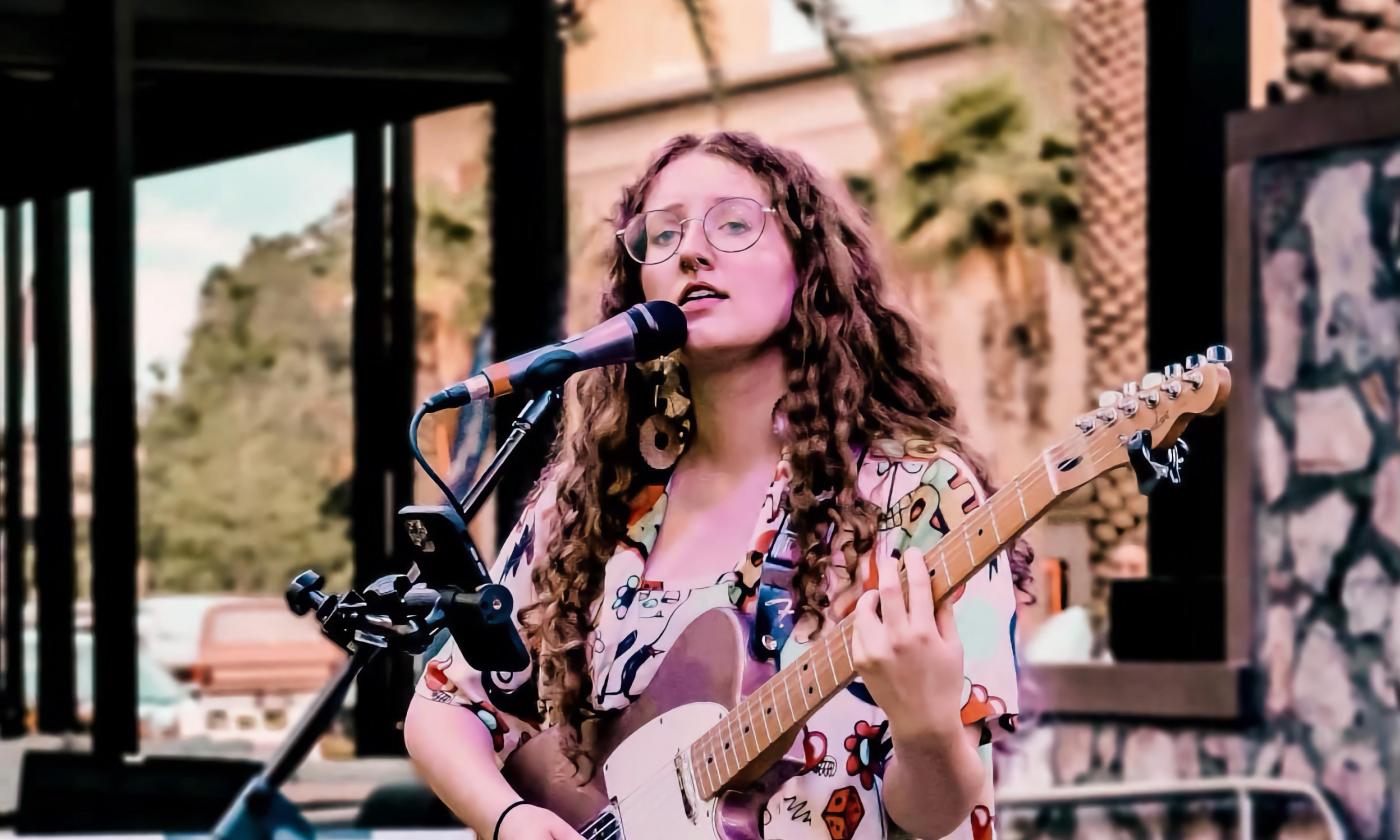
x,y
242,244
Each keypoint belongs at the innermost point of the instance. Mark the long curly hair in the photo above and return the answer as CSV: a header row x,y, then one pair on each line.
x,y
855,373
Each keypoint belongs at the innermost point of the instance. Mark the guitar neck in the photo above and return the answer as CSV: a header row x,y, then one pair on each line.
x,y
770,715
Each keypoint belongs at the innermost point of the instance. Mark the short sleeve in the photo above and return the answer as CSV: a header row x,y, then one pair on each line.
x,y
985,609
922,500
505,702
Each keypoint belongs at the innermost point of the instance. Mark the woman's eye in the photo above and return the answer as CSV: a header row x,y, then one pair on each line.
x,y
662,237
735,227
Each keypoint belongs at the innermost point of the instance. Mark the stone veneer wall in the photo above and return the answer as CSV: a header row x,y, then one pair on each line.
x,y
1327,511
1338,45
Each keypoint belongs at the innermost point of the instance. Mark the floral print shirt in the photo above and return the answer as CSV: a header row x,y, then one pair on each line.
x,y
846,742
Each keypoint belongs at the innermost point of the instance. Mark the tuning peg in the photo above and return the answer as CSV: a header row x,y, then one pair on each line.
x,y
1150,385
1086,423
1130,389
1194,361
1109,399
1219,354
1172,371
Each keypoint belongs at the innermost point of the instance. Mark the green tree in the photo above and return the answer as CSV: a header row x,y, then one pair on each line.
x,y
241,459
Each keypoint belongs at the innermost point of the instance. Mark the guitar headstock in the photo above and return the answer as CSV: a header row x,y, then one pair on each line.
x,y
1150,414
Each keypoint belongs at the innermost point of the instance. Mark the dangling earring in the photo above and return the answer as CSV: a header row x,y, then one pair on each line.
x,y
667,429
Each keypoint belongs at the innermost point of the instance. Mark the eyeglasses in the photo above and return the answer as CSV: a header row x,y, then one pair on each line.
x,y
732,225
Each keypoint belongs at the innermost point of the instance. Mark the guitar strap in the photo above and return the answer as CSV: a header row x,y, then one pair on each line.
x,y
774,616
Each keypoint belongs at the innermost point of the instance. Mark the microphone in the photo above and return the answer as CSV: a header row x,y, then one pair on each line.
x,y
644,331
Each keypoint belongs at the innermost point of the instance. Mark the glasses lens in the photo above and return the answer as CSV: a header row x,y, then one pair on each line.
x,y
652,237
734,224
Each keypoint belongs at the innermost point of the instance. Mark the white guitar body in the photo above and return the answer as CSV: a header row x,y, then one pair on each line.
x,y
641,777
644,792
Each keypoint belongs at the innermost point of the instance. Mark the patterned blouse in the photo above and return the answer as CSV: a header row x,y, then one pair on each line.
x,y
847,743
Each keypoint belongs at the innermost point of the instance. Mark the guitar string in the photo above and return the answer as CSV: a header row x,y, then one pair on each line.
x,y
1029,479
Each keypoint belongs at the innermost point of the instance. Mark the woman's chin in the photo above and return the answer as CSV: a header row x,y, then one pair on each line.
x,y
703,351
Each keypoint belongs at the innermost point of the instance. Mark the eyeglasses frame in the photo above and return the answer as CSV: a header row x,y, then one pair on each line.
x,y
701,220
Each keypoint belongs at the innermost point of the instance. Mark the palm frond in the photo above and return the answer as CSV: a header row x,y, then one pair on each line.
x,y
702,27
857,63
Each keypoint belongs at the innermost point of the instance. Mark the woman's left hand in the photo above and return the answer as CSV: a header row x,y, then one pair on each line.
x,y
910,657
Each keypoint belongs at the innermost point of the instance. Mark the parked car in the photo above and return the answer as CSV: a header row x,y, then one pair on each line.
x,y
159,697
256,669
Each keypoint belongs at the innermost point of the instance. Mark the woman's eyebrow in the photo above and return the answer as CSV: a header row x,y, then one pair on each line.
x,y
710,201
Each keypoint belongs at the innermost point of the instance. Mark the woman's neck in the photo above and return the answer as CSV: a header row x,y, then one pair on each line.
x,y
734,413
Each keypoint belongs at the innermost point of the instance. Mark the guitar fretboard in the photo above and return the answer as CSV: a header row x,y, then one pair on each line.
x,y
783,703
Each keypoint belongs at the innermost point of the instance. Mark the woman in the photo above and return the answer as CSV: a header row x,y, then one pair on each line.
x,y
647,518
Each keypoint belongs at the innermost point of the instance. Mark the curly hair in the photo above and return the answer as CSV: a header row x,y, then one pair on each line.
x,y
855,373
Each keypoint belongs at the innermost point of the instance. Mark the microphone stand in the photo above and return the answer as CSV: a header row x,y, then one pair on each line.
x,y
400,612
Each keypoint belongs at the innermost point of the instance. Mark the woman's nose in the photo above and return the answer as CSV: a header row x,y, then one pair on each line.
x,y
694,250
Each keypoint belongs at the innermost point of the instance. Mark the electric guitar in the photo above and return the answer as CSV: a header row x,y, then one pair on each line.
x,y
715,733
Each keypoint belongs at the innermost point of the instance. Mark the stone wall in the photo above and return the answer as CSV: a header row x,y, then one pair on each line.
x,y
1327,512
1338,45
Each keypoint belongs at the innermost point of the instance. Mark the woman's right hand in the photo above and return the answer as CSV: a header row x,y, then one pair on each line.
x,y
526,822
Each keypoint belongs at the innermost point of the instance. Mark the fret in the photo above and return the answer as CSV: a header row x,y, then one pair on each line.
x,y
745,715
705,767
776,710
826,646
1026,517
726,755
846,645
767,733
711,755
715,754
737,740
787,690
802,694
943,564
740,730
787,695
1048,465
991,510
806,666
1005,507
967,541
746,722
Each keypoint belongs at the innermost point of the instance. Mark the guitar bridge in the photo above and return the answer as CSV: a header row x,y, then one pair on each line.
x,y
684,788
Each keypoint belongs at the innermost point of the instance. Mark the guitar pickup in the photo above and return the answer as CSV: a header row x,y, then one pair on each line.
x,y
684,788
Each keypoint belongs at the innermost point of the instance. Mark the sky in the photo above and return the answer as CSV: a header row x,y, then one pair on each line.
x,y
186,223
790,31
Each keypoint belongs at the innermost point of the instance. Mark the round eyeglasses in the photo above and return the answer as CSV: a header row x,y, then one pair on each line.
x,y
733,224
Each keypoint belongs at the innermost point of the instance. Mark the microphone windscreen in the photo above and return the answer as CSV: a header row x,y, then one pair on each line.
x,y
668,334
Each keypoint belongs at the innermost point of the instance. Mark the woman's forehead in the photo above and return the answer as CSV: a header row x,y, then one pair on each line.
x,y
696,181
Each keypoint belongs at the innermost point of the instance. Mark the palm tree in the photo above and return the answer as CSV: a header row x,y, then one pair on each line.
x,y
1110,83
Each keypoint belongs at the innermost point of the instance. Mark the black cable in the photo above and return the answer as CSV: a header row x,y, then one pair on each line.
x,y
423,462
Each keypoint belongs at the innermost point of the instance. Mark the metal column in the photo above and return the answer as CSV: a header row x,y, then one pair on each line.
x,y
529,249
53,437
12,700
108,82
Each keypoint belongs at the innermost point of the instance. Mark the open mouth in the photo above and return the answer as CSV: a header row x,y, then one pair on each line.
x,y
699,293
